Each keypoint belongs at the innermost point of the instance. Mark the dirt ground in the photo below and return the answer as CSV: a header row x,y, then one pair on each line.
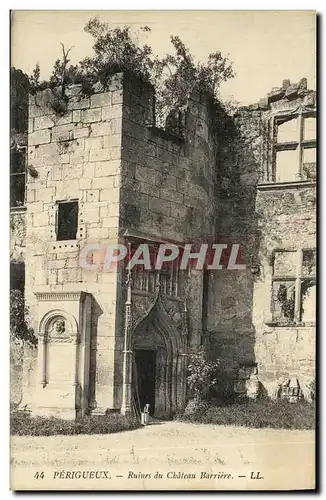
x,y
166,455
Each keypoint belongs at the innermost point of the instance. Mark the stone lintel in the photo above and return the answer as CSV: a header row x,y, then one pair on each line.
x,y
58,296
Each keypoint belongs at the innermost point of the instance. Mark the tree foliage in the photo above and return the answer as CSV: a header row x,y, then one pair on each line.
x,y
175,76
116,50
184,76
34,79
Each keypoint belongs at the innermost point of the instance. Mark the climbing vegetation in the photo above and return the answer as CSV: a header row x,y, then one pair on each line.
x,y
175,76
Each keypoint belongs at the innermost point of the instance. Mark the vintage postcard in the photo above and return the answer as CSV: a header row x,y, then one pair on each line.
x,y
163,250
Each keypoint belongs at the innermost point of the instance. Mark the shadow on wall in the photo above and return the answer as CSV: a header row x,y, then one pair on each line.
x,y
230,333
96,313
16,374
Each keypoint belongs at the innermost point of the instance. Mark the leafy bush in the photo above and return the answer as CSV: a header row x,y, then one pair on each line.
x,y
196,407
21,424
277,414
202,374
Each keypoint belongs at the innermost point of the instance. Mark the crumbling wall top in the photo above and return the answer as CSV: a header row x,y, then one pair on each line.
x,y
287,91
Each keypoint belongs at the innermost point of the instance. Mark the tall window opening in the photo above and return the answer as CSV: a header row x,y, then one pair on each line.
x,y
17,177
17,276
67,220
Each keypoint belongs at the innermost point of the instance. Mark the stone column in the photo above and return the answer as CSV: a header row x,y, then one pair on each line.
x,y
127,353
42,355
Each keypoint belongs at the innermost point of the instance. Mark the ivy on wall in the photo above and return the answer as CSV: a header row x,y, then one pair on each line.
x,y
19,314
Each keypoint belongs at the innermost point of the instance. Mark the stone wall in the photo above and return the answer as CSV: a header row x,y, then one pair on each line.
x,y
261,216
130,179
230,332
16,373
168,176
168,179
192,182
77,156
288,221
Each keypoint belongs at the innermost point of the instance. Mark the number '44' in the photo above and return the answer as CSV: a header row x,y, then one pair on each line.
x,y
39,475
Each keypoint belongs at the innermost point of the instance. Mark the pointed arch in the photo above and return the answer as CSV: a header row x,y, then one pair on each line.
x,y
157,331
158,317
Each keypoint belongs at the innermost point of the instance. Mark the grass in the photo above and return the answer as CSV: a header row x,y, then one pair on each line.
x,y
25,425
277,414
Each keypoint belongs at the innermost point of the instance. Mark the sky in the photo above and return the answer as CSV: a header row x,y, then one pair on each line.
x,y
266,47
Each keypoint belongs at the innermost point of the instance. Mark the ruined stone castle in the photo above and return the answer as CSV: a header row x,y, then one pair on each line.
x,y
101,172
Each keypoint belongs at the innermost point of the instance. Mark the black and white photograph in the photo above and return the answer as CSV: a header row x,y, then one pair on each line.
x,y
163,250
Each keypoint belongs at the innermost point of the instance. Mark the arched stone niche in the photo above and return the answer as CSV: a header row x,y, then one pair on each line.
x,y
63,355
58,364
58,325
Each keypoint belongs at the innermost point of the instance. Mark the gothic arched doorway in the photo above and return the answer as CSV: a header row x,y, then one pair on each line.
x,y
159,363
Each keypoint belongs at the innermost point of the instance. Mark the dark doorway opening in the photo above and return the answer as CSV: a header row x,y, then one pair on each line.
x,y
146,370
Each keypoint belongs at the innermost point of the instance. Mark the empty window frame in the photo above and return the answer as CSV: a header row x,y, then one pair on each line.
x,y
294,286
17,177
17,276
295,148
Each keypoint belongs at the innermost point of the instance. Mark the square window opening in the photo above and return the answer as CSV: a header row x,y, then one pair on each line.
x,y
288,130
284,301
294,286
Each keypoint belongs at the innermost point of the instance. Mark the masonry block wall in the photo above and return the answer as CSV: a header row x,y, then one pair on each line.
x,y
168,179
230,333
77,157
288,218
128,178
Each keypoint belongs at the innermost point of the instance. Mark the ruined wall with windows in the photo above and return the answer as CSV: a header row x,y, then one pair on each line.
x,y
274,312
18,172
285,295
102,173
